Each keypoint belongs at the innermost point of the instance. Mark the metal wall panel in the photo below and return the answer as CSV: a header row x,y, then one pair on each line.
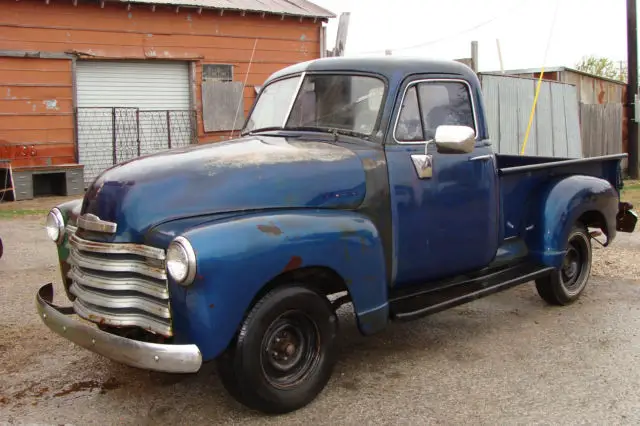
x,y
558,124
508,142
555,130
543,121
572,120
492,109
150,85
526,93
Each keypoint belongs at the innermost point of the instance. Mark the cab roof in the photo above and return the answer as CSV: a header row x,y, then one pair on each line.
x,y
388,66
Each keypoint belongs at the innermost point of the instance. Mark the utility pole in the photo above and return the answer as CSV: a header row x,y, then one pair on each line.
x,y
500,55
474,56
632,87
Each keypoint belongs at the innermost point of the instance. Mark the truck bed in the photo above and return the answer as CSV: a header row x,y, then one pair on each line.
x,y
521,175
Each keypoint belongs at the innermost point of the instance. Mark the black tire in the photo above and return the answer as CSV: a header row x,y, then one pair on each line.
x,y
565,285
284,353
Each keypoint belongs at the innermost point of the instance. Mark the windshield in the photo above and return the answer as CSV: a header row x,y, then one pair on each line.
x,y
347,103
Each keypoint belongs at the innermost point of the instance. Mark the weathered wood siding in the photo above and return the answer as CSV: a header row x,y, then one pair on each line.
x,y
601,128
36,94
36,112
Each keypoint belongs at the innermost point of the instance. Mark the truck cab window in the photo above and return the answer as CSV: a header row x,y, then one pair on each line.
x,y
409,128
346,102
444,103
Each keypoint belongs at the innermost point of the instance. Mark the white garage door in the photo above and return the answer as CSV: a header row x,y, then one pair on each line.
x,y
127,109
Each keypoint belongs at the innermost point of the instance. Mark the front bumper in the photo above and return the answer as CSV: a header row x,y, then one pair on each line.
x,y
148,356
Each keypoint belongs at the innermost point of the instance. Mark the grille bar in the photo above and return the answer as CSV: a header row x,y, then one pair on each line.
x,y
102,316
123,302
141,285
117,248
85,261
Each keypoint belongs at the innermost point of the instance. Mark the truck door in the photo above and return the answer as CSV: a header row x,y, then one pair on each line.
x,y
447,223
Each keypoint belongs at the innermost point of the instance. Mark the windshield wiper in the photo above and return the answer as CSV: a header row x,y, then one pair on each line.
x,y
332,130
263,129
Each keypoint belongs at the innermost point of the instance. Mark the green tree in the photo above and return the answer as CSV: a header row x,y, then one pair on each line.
x,y
603,67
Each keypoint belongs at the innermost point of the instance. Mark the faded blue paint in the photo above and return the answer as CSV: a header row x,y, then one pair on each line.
x,y
557,205
526,191
258,172
237,257
434,218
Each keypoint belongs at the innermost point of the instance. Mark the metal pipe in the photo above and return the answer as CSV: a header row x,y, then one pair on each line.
x,y
632,87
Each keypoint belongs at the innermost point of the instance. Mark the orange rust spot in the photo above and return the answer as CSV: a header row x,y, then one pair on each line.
x,y
294,263
601,93
270,229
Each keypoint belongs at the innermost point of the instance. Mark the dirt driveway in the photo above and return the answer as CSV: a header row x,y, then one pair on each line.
x,y
506,359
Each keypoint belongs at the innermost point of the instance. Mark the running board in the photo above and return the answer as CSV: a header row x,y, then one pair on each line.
x,y
430,302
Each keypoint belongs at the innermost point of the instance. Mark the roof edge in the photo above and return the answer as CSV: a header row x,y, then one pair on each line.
x,y
557,69
317,13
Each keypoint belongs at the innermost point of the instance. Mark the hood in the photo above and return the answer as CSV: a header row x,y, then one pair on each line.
x,y
252,173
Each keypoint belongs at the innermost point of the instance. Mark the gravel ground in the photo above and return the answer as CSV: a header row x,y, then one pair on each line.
x,y
506,359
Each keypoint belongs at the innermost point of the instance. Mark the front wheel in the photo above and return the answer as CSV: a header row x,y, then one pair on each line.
x,y
565,285
284,353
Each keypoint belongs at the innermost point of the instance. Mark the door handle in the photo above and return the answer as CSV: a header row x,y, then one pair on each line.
x,y
481,158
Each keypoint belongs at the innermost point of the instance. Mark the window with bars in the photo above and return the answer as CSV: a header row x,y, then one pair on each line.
x,y
217,72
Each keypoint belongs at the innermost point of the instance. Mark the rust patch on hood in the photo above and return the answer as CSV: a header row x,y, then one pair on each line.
x,y
270,229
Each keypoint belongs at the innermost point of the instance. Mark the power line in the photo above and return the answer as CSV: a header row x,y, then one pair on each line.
x,y
438,40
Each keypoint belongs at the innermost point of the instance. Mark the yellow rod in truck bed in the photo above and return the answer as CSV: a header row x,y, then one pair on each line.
x,y
535,98
533,110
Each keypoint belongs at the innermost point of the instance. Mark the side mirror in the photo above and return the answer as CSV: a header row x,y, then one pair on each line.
x,y
455,139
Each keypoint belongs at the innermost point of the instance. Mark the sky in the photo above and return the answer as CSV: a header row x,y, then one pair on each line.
x,y
444,29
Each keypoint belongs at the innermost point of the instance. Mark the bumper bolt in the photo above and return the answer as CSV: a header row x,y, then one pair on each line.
x,y
156,358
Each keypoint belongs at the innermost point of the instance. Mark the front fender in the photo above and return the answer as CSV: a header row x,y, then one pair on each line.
x,y
556,207
237,257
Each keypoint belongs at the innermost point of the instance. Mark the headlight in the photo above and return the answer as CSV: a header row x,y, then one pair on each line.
x,y
55,225
181,261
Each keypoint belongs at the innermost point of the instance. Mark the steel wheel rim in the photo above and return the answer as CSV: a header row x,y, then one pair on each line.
x,y
575,265
290,349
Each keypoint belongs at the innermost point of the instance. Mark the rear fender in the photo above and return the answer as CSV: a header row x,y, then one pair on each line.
x,y
237,257
557,206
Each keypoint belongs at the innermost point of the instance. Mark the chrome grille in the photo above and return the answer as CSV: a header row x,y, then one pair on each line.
x,y
119,284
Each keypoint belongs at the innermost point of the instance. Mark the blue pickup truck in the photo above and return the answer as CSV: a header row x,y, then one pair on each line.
x,y
364,181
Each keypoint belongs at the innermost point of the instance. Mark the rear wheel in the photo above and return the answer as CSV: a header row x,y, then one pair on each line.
x,y
565,285
284,354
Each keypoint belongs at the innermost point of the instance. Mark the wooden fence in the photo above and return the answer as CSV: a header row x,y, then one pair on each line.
x,y
601,129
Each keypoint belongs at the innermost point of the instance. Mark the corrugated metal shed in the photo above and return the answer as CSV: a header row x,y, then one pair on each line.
x,y
592,89
301,8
